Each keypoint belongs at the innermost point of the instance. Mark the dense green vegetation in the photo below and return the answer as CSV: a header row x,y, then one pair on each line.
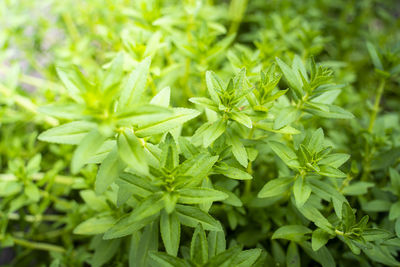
x,y
199,133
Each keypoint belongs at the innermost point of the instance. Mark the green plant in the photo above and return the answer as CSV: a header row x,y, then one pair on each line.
x,y
199,133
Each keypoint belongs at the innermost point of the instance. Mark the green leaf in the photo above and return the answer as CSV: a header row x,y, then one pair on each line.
x,y
191,216
170,229
394,211
179,117
301,191
94,226
293,256
198,166
316,141
199,195
374,56
247,258
238,150
286,116
148,207
139,186
276,187
215,130
169,154
165,260
114,73
70,133
284,153
162,98
216,243
205,102
294,233
133,90
199,246
314,215
319,238
131,151
108,171
126,226
290,77
331,172
334,160
322,256
74,81
86,148
214,86
357,188
242,119
232,172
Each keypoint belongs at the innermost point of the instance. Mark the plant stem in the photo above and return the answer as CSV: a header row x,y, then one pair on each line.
x,y
375,111
38,245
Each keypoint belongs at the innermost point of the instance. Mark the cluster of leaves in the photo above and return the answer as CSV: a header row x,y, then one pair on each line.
x,y
193,133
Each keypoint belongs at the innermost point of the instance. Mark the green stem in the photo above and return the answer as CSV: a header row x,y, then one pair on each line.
x,y
375,111
38,245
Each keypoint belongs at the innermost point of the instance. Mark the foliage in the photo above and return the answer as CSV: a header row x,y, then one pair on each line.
x,y
199,133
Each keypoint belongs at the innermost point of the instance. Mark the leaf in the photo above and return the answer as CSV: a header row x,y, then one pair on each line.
x,y
323,256
284,153
70,133
165,260
319,238
291,232
199,195
94,226
108,171
357,188
74,81
215,130
242,119
331,172
292,256
170,229
247,258
214,86
276,187
316,141
198,166
137,185
232,172
199,246
169,155
238,150
205,102
86,148
162,98
286,116
131,151
334,160
314,215
374,56
394,211
148,207
104,251
126,226
179,116
216,243
114,73
133,89
290,77
301,191
191,216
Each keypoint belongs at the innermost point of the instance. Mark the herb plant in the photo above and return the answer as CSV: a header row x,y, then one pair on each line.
x,y
199,133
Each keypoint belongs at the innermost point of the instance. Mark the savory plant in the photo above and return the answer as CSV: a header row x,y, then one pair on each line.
x,y
199,133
